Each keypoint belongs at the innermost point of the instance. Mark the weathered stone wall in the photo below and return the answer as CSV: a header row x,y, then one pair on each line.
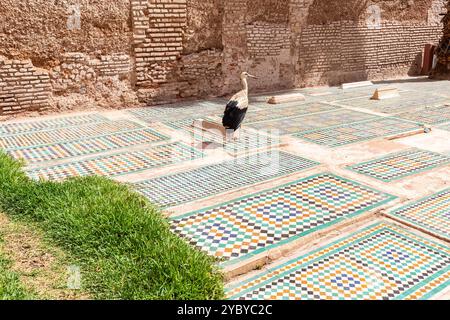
x,y
81,47
41,30
309,42
113,53
22,87
177,46
266,40
78,69
339,41
345,51
443,51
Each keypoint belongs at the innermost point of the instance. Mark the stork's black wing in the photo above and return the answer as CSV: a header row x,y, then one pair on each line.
x,y
233,116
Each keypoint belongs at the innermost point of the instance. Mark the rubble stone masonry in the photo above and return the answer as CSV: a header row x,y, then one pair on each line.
x,y
166,50
22,87
77,69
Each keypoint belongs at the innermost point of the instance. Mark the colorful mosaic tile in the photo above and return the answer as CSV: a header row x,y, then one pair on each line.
x,y
343,95
434,87
357,132
313,121
87,146
399,165
248,140
442,90
178,188
239,229
381,262
445,127
435,115
18,141
340,96
257,102
408,101
176,112
431,214
183,124
48,124
337,94
260,101
286,111
120,163
320,90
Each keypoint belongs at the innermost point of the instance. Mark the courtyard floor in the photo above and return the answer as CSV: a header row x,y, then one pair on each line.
x,y
336,197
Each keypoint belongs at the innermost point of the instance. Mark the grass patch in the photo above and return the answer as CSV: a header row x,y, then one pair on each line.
x,y
41,267
121,242
10,286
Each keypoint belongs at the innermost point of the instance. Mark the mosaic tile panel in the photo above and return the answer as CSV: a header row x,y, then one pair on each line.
x,y
381,262
435,115
431,214
320,90
66,134
255,223
193,110
175,189
406,102
343,95
286,111
445,127
357,132
183,124
260,101
120,163
48,124
248,140
310,122
433,87
87,146
336,94
443,91
399,165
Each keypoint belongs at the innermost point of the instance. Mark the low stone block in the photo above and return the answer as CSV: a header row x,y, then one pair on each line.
x,y
285,98
385,93
210,126
360,84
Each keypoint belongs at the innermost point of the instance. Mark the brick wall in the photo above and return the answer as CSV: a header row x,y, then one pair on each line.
x,y
22,87
277,40
197,48
443,67
345,51
118,64
200,74
339,50
158,38
234,38
267,39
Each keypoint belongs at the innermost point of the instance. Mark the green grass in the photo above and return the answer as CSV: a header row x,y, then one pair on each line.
x,y
122,243
10,286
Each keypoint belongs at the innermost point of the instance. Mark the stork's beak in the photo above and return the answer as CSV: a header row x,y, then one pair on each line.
x,y
252,76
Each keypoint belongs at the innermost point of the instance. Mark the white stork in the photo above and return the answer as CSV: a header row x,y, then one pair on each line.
x,y
237,107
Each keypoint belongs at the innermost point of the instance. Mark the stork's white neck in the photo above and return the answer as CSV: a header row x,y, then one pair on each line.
x,y
244,84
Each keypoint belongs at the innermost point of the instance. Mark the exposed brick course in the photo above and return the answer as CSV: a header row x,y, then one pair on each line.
x,y
22,87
